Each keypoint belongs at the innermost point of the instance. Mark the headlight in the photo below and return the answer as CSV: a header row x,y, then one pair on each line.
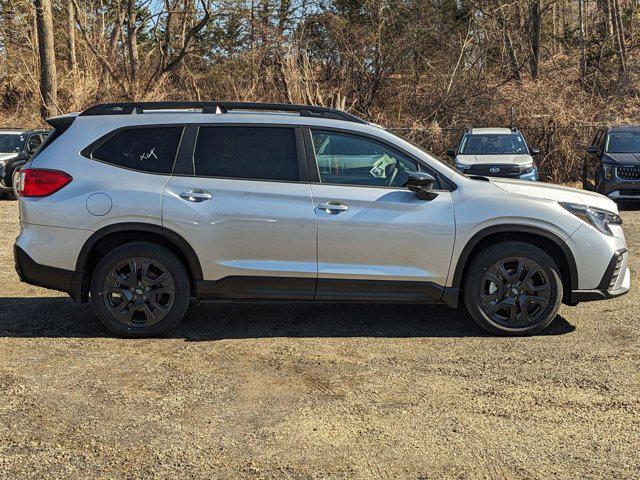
x,y
599,219
462,167
528,168
608,171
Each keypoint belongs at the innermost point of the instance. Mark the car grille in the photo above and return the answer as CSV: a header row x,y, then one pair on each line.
x,y
504,170
628,173
616,271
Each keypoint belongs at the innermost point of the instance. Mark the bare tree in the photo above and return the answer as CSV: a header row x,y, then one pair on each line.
x,y
46,50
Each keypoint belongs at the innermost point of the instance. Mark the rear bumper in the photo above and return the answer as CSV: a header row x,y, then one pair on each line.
x,y
44,276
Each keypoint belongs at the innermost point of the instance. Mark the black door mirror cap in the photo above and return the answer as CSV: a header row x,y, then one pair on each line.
x,y
421,183
451,152
534,151
591,149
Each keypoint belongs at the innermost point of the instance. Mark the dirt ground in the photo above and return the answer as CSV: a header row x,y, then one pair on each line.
x,y
316,391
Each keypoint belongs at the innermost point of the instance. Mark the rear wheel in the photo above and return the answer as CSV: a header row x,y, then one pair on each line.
x,y
513,288
140,289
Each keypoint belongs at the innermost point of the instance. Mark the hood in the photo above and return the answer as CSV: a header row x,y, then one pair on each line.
x,y
7,156
622,158
493,159
555,192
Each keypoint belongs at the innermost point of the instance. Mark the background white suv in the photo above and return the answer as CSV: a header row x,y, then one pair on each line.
x,y
139,207
496,152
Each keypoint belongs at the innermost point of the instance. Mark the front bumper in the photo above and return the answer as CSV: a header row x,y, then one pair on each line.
x,y
45,276
615,282
618,188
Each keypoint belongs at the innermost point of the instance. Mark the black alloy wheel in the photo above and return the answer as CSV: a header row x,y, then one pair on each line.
x,y
515,291
140,289
513,288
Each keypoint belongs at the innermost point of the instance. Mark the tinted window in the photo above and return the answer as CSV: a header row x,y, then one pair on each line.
x,y
492,144
348,159
255,153
145,149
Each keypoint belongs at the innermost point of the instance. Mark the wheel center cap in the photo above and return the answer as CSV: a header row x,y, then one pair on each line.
x,y
515,291
138,291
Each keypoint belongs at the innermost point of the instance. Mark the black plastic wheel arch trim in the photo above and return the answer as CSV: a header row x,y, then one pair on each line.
x,y
515,228
170,235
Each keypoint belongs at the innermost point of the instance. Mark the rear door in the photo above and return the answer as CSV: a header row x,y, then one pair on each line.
x,y
376,239
242,200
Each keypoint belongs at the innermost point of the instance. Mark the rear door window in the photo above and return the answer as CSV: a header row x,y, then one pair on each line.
x,y
250,153
149,149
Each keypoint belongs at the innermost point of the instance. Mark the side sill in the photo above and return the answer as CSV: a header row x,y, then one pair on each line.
x,y
241,288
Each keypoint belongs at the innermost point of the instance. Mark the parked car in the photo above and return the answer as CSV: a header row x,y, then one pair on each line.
x,y
140,207
612,164
495,152
16,147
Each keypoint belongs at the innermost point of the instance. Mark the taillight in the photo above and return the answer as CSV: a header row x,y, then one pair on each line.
x,y
38,182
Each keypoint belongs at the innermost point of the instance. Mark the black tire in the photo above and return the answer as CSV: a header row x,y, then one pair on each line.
x,y
148,305
600,182
13,193
534,300
586,184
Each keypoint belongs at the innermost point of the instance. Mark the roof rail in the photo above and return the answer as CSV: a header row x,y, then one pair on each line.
x,y
220,107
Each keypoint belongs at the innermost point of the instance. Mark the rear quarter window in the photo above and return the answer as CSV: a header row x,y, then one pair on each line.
x,y
151,149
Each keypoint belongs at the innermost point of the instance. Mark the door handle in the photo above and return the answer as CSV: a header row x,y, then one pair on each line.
x,y
195,196
333,207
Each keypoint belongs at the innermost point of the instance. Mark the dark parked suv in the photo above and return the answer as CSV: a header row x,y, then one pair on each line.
x,y
16,148
612,164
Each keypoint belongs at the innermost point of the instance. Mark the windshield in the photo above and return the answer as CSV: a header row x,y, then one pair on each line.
x,y
623,142
11,142
493,144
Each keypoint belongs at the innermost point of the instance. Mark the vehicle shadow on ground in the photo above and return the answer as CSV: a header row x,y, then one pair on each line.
x,y
61,317
629,206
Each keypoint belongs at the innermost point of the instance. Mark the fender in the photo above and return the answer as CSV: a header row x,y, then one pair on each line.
x,y
181,243
514,228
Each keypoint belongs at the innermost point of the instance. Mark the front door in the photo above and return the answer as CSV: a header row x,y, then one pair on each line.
x,y
376,239
246,213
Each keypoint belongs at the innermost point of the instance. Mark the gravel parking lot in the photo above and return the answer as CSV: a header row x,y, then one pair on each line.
x,y
316,391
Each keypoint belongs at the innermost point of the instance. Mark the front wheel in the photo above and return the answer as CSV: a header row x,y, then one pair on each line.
x,y
513,288
13,193
140,289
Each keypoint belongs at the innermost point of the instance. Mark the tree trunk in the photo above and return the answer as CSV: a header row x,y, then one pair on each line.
x,y
71,38
132,45
508,45
46,49
619,33
581,40
535,24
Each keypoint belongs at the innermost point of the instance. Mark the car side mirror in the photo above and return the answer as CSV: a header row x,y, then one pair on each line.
x,y
421,183
451,153
591,149
534,151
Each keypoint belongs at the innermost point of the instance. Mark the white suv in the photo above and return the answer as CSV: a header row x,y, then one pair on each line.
x,y
140,207
496,152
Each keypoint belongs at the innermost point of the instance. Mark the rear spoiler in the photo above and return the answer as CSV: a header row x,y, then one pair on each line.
x,y
62,122
60,125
